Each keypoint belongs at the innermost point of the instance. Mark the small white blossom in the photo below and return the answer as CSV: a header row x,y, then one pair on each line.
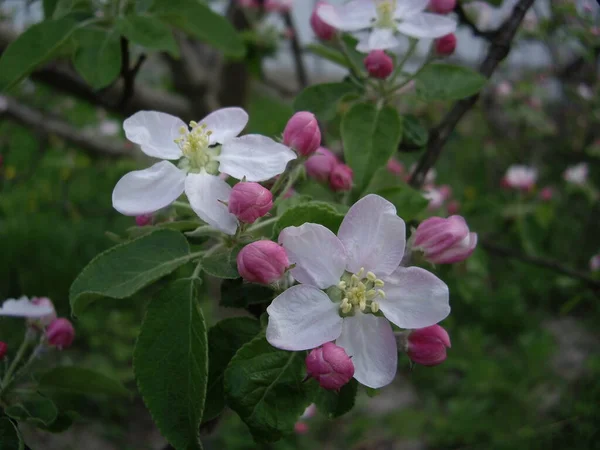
x,y
576,174
23,307
520,177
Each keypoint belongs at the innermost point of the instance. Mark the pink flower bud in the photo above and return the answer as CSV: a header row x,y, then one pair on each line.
x,y
546,194
249,201
340,178
330,366
595,263
453,207
3,349
323,30
300,428
262,262
445,45
302,133
60,333
143,220
46,320
442,6
427,346
379,64
396,167
320,165
445,241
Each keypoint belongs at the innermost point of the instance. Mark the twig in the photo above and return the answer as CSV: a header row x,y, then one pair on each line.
x,y
128,74
498,50
542,262
465,20
296,50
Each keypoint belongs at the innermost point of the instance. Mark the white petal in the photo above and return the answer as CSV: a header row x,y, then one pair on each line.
x,y
370,341
255,157
225,124
415,298
319,255
382,39
302,318
363,41
145,191
374,236
406,8
155,132
427,25
24,308
204,192
354,15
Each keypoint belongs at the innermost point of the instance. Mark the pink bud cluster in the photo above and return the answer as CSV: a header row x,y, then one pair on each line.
x,y
427,346
324,166
262,262
302,133
444,241
59,331
330,366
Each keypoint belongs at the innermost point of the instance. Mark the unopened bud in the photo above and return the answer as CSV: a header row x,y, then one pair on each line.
x,y
249,201
445,241
340,178
379,64
302,133
427,346
320,164
143,220
43,321
546,194
396,167
330,366
60,333
442,6
323,30
445,45
262,262
3,349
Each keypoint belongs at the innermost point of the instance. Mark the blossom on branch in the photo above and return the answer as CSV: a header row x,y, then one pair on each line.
x,y
23,307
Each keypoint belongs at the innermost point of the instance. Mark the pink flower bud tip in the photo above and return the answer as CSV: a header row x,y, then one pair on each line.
x,y
546,194
442,6
302,133
60,333
322,30
427,346
262,262
3,349
445,241
453,207
320,165
143,220
396,167
340,178
445,45
330,366
46,320
249,201
301,428
379,64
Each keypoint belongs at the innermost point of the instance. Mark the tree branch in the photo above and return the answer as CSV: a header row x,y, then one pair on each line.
x,y
464,19
497,51
296,50
128,73
47,125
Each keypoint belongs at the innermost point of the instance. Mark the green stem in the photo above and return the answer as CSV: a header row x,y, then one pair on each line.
x,y
291,179
183,205
264,223
354,68
411,49
8,377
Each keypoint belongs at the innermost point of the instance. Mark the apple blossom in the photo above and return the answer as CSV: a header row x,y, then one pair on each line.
x,y
46,320
379,21
262,262
595,263
352,288
379,64
320,164
23,307
302,133
520,177
436,197
249,201
340,178
444,241
323,30
577,174
60,333
427,346
330,366
210,148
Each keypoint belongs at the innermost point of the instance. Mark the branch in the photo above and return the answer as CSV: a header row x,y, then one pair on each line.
x,y
296,50
498,50
541,262
128,73
465,20
47,125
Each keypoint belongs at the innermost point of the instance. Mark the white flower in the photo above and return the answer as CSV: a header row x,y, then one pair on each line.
x,y
576,174
384,19
435,196
208,149
25,308
365,290
520,177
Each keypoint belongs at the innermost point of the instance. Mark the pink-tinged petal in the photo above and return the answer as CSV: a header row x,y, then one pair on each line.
x,y
204,192
415,298
255,157
319,255
146,191
25,308
225,124
427,26
407,8
373,235
353,16
302,318
383,39
370,342
155,132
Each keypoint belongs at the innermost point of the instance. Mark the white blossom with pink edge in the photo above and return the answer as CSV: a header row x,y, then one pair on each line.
x,y
379,21
23,307
359,269
577,174
520,177
209,148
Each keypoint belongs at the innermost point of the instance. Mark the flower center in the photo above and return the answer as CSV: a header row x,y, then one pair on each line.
x,y
385,14
360,294
196,149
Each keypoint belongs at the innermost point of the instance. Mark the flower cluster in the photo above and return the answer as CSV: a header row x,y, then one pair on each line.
x,y
325,166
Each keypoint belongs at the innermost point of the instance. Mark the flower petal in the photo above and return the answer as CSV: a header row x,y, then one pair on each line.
x,y
23,307
370,342
406,8
374,236
319,255
204,192
415,298
155,132
354,15
382,39
145,191
302,318
255,157
225,124
427,25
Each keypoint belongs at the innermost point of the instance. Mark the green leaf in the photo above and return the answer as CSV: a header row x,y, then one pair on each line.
x,y
170,362
414,134
36,45
370,137
224,340
49,6
408,201
335,404
62,423
448,82
98,56
201,22
322,99
222,263
79,380
239,294
314,212
148,32
264,386
328,53
34,409
121,271
10,437
292,201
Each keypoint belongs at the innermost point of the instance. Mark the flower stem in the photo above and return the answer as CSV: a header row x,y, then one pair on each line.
x,y
8,376
264,223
